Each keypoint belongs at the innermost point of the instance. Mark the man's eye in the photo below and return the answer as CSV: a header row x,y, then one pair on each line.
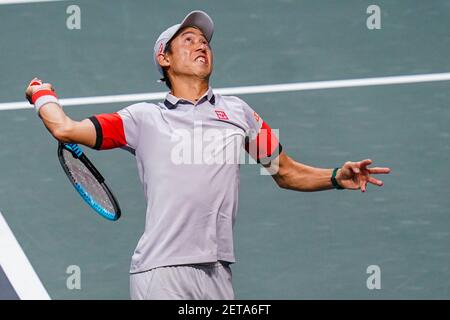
x,y
189,39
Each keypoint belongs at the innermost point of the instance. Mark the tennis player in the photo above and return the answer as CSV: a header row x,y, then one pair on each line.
x,y
187,247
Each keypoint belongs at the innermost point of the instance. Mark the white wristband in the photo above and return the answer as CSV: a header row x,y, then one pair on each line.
x,y
43,101
42,97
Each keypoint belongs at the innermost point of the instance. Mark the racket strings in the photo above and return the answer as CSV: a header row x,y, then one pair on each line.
x,y
81,175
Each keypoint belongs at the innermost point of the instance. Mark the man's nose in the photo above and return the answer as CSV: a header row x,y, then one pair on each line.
x,y
202,46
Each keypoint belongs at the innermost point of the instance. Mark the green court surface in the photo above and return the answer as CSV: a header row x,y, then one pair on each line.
x,y
289,245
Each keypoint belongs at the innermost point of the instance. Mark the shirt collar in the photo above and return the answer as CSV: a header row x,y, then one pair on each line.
x,y
173,101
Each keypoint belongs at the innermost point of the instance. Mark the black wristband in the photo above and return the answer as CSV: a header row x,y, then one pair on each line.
x,y
334,181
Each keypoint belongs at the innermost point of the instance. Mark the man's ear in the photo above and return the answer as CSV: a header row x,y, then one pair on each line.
x,y
163,60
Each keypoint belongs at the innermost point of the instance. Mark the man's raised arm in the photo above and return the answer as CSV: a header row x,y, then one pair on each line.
x,y
55,120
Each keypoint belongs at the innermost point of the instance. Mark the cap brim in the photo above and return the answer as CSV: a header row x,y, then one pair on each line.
x,y
200,20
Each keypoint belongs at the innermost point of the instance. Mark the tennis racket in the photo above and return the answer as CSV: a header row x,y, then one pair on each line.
x,y
86,179
88,182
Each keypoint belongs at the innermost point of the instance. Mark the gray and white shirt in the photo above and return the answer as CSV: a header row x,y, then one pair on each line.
x,y
188,158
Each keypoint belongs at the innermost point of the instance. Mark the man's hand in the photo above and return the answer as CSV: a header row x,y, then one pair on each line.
x,y
61,127
35,86
356,175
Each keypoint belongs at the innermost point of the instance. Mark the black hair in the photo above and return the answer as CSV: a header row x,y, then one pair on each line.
x,y
165,79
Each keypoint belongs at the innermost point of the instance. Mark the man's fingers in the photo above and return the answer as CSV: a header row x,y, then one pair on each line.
x,y
36,85
375,181
363,173
363,186
365,163
378,170
47,86
352,166
355,168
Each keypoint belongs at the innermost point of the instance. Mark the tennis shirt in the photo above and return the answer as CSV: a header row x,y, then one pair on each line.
x,y
188,158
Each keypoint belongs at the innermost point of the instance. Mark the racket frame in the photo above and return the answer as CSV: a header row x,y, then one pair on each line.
x,y
78,153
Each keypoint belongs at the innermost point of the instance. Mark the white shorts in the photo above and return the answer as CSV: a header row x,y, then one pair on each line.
x,y
209,281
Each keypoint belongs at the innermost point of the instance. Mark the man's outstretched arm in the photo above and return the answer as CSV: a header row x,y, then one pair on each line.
x,y
57,122
290,174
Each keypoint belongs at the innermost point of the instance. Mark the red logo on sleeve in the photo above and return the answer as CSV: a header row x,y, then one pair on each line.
x,y
221,115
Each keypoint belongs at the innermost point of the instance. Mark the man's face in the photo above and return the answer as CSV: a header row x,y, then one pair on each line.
x,y
190,54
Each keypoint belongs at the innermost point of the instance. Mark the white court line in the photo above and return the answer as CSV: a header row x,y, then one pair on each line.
x,y
26,1
17,268
299,86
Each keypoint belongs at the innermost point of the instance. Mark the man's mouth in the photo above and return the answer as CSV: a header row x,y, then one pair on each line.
x,y
201,59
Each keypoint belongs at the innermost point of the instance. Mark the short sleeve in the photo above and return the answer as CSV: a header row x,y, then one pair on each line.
x,y
116,130
261,142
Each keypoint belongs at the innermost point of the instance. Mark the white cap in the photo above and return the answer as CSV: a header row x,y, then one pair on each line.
x,y
197,19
